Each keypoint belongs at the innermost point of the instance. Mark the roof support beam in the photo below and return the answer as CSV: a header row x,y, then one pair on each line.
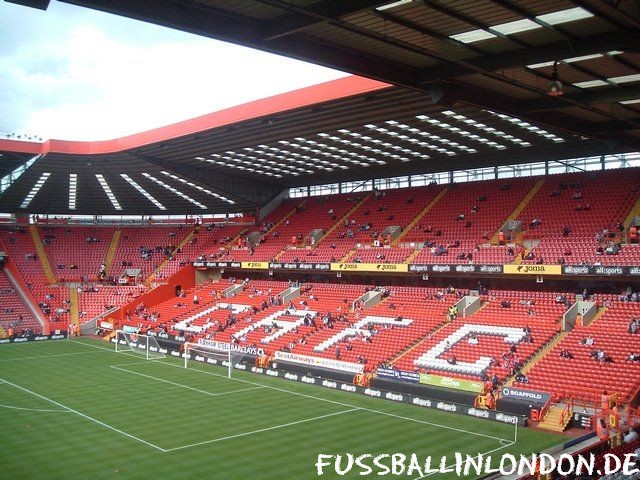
x,y
525,56
293,22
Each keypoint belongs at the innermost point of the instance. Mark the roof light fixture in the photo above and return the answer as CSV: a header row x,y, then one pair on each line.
x,y
146,194
73,186
107,189
555,87
35,189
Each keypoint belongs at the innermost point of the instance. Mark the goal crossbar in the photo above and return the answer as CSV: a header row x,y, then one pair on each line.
x,y
138,343
220,351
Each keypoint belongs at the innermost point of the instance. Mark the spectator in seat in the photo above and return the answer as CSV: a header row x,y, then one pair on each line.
x,y
633,326
588,340
521,378
633,234
613,248
566,230
633,357
536,222
566,354
599,355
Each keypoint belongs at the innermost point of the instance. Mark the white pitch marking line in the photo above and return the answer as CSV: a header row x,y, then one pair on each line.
x,y
185,386
275,427
47,356
446,427
43,410
424,422
133,437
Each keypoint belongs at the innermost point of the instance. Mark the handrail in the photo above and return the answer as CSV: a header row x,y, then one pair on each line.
x,y
545,409
635,393
566,413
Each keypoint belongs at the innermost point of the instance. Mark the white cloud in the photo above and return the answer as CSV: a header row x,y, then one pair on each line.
x,y
98,76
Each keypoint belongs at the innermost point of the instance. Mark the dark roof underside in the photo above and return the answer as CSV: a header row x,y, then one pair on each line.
x,y
470,76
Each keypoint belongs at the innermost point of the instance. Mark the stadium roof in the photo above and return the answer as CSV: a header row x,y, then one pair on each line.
x,y
452,85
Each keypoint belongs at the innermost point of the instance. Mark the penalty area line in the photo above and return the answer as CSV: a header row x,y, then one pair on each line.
x,y
87,417
36,357
204,392
335,402
260,430
39,410
284,390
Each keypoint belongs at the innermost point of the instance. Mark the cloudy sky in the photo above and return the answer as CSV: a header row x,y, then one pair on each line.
x,y
76,74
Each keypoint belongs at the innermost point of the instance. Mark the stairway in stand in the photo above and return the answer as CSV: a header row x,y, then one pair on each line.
x,y
341,220
180,246
529,364
425,338
46,266
418,217
113,248
521,206
74,317
553,419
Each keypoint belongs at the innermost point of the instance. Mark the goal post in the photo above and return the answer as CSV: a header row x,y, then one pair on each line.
x,y
224,354
139,344
210,355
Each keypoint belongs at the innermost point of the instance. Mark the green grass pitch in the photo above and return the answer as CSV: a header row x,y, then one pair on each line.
x,y
77,409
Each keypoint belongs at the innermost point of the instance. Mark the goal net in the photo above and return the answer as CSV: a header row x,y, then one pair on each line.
x,y
143,345
226,355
